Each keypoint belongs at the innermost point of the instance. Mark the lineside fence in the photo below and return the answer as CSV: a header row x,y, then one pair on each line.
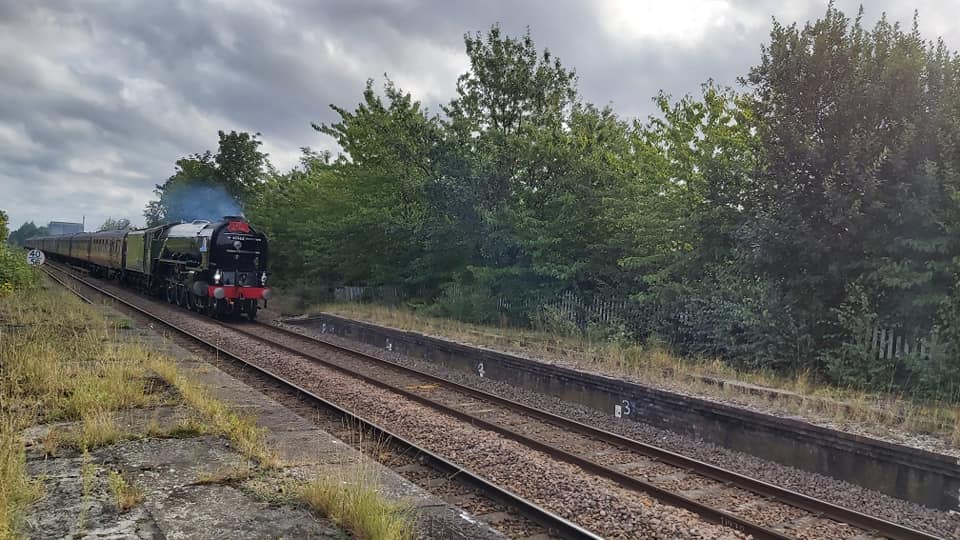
x,y
574,311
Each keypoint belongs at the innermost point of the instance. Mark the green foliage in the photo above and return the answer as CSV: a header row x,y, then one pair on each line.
x,y
4,226
858,128
114,224
27,230
511,86
469,299
15,273
932,371
209,186
776,227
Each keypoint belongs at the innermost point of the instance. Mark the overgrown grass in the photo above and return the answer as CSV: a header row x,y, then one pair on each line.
x,y
358,506
17,491
800,394
61,360
226,475
52,353
347,494
242,430
182,429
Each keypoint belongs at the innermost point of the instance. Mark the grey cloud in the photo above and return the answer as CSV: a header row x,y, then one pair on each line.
x,y
102,97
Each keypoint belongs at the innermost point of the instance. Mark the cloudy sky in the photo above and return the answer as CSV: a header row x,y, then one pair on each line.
x,y
98,99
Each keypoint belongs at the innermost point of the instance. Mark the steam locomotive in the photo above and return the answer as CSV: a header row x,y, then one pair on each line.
x,y
217,268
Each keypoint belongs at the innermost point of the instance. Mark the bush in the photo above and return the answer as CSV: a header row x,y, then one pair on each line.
x,y
855,361
468,302
741,319
550,318
15,273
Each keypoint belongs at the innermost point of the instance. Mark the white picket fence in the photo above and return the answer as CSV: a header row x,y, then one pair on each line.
x,y
353,294
882,343
887,344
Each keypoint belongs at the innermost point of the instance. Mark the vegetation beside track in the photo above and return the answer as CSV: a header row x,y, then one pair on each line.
x,y
15,273
801,394
806,223
65,361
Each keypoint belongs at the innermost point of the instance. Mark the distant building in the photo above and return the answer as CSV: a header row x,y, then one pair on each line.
x,y
56,228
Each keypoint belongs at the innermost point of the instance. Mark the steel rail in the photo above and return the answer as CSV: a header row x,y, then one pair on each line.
x,y
866,522
557,524
707,512
65,286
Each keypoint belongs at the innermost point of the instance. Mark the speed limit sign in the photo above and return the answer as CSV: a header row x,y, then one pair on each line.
x,y
35,257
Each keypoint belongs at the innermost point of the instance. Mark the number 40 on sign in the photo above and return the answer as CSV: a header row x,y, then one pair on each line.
x,y
35,257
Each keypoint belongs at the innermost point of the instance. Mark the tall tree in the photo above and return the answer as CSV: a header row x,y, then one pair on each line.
x,y
27,230
512,98
4,226
114,224
240,163
510,92
209,186
853,203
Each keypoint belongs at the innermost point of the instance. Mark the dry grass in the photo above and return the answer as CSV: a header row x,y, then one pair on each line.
x,y
242,430
184,429
356,505
227,475
125,495
17,490
800,394
347,495
88,472
45,338
63,360
59,360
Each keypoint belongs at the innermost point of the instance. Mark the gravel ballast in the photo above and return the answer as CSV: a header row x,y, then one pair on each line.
x,y
945,524
595,503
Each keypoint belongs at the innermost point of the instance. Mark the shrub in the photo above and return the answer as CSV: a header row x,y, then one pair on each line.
x,y
741,319
15,273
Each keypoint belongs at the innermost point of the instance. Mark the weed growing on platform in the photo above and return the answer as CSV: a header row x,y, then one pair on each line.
x,y
17,491
233,474
349,495
125,496
358,507
59,359
185,428
242,430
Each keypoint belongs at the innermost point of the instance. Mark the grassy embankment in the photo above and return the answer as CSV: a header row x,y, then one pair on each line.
x,y
64,361
800,394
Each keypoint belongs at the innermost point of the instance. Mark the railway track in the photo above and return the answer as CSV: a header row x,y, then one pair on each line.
x,y
410,459
748,505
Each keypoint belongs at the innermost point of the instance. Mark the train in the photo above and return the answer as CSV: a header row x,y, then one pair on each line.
x,y
214,267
